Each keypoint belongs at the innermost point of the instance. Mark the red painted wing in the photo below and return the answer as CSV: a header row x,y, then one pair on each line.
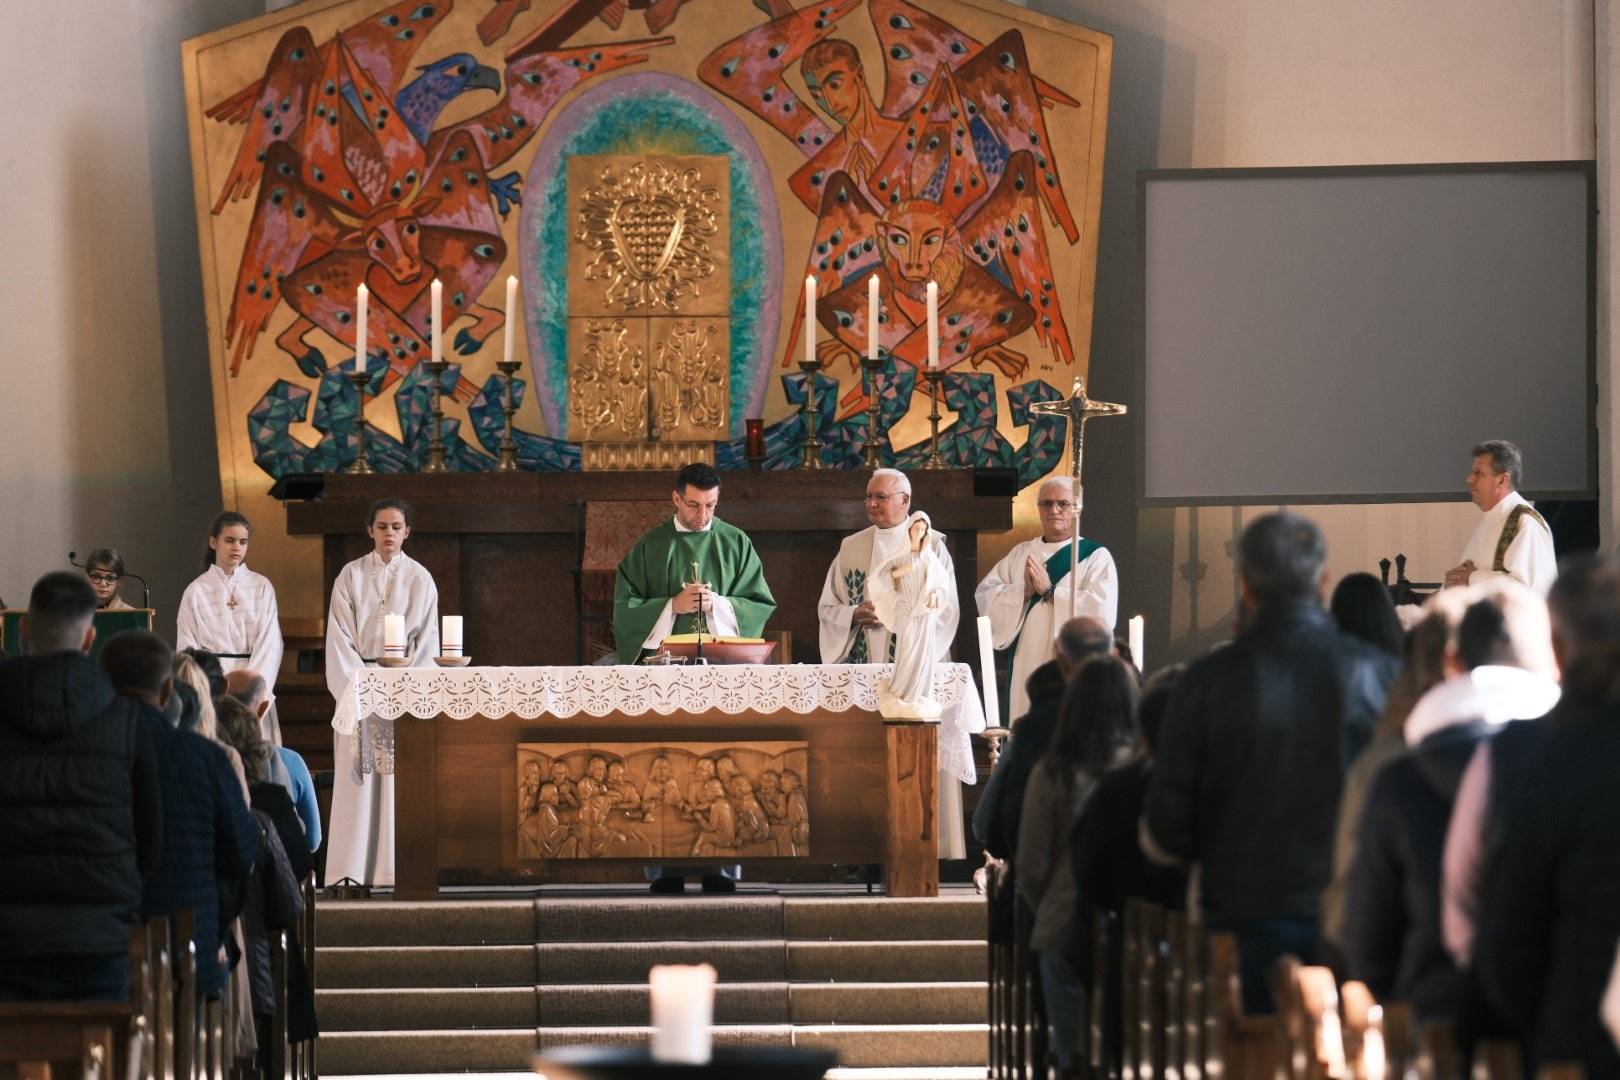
x,y
455,194
275,113
385,43
933,156
1007,231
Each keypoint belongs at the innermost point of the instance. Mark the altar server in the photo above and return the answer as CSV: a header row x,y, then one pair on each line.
x,y
360,833
229,610
655,593
1027,593
1511,540
851,632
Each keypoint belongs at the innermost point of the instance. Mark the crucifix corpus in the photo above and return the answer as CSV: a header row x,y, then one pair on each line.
x,y
1078,408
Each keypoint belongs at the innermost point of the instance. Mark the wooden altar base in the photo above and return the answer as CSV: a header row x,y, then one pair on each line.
x,y
872,793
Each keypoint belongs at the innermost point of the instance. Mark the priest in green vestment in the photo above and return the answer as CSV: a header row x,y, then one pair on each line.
x,y
657,592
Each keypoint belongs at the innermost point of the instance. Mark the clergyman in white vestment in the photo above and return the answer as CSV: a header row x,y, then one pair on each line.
x,y
230,610
360,839
851,632
1027,594
1511,539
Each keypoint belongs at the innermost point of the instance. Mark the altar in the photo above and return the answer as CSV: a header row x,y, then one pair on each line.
x,y
614,737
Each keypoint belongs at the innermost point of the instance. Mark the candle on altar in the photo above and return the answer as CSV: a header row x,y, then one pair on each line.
x,y
435,324
933,326
393,635
511,311
682,1012
872,316
987,672
810,320
362,298
1137,626
450,637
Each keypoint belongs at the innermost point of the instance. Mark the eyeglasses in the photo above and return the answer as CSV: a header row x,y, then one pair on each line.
x,y
103,579
1062,505
882,496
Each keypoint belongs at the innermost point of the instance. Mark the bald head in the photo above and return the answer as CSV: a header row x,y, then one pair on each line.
x,y
250,689
1081,638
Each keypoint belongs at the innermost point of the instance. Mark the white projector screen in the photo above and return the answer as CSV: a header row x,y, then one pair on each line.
x,y
1346,334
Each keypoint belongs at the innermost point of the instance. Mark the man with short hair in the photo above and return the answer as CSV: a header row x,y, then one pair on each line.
x,y
287,767
655,593
210,837
1511,538
1027,594
81,810
1254,749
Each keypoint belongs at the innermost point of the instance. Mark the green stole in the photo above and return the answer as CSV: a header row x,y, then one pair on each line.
x,y
1057,568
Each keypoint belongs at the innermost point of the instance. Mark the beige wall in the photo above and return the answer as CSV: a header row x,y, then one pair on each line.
x,y
1202,84
107,418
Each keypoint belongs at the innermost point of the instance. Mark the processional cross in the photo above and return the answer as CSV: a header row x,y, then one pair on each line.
x,y
1077,408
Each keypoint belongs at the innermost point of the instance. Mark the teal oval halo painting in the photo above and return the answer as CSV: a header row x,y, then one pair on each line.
x,y
650,113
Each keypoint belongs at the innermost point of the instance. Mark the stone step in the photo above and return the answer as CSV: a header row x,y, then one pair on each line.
x,y
415,1009
938,1072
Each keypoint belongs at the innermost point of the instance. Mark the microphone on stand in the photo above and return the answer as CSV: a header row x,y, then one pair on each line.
x,y
146,589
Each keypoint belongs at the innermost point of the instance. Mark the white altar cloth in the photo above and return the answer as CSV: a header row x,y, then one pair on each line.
x,y
376,697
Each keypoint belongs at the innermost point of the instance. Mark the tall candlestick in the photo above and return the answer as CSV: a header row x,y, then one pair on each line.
x,y
393,635
872,317
682,1012
810,319
1137,626
987,672
450,635
436,295
933,325
511,311
362,302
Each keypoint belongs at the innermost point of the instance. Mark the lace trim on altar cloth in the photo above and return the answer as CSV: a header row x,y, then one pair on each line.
x,y
376,697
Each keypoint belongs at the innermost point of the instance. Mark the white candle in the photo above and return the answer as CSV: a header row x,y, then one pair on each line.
x,y
450,635
933,326
393,635
1374,1063
810,320
511,314
987,672
1137,626
872,317
362,298
436,324
682,1012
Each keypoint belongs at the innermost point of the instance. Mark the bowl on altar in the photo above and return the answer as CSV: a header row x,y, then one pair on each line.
x,y
394,661
720,650
452,661
727,1063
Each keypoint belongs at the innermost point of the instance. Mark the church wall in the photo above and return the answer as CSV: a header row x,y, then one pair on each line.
x,y
108,423
1276,83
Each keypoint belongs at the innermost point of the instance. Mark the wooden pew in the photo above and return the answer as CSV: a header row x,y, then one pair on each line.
x,y
184,965
278,1061
304,1066
1236,1046
1101,1043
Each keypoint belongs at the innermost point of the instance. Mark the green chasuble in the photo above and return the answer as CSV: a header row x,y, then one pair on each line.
x,y
660,565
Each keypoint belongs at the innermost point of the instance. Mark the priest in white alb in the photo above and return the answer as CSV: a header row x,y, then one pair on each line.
x,y
1511,539
1027,595
360,838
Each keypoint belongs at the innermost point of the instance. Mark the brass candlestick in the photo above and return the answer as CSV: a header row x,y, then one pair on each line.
x,y
509,461
436,451
359,377
936,460
812,441
874,438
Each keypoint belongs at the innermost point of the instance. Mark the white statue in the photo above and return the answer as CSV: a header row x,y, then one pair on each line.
x,y
908,593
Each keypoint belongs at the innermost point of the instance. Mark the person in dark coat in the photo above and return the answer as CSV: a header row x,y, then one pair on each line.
x,y
1392,937
1550,918
81,810
1254,752
209,836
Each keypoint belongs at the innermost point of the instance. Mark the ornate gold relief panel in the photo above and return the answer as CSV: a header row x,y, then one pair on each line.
x,y
689,363
607,380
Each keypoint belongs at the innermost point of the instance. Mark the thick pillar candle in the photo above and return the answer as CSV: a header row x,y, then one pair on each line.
x,y
362,302
682,1012
436,323
810,320
987,672
1137,626
511,314
933,326
872,317
393,635
450,635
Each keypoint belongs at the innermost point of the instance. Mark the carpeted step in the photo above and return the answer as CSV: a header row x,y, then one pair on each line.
x,y
455,965
371,1052
956,916
427,1009
599,1006
405,922
911,1046
888,1003
659,918
596,964
886,961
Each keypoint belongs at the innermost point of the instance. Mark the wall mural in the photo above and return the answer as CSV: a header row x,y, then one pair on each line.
x,y
660,176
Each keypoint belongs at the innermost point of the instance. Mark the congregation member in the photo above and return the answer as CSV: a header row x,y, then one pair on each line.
x,y
360,828
655,593
229,609
1362,608
81,808
288,767
1504,670
104,569
1550,919
851,632
210,840
1511,538
1096,732
1253,753
1027,594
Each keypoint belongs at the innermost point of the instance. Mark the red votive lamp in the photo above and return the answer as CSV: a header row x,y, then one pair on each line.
x,y
756,439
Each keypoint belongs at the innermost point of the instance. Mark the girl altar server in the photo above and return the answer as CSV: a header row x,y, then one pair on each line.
x,y
228,609
386,581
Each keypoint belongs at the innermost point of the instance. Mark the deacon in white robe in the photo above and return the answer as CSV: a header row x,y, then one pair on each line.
x,y
1511,539
1027,595
852,633
360,839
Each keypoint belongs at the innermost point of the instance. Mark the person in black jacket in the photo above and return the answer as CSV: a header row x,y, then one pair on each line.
x,y
1255,748
1549,918
209,836
81,811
